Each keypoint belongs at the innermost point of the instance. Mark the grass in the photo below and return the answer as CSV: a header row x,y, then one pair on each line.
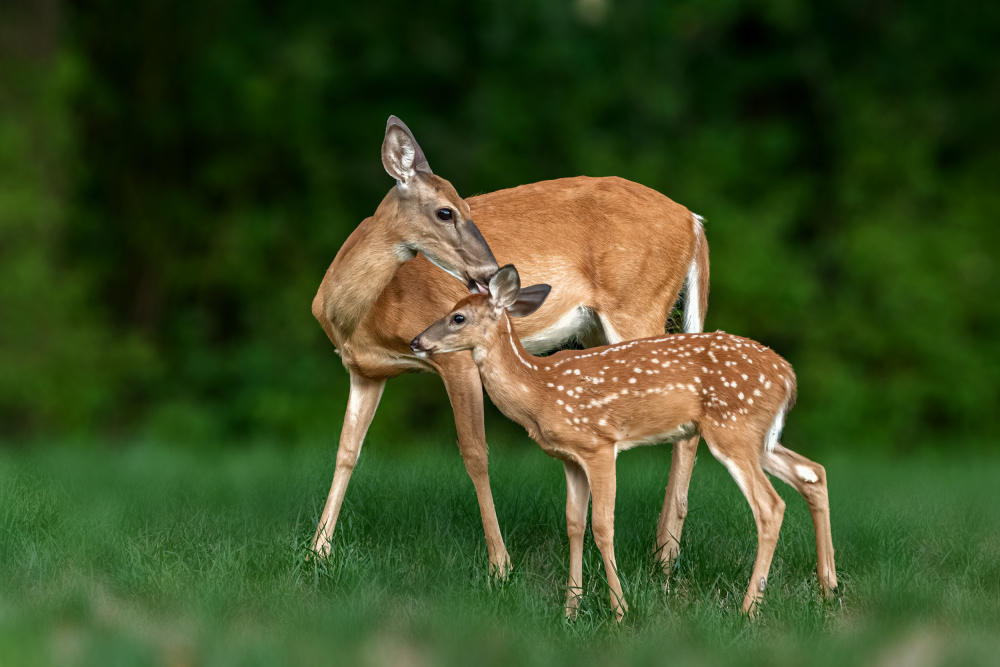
x,y
160,555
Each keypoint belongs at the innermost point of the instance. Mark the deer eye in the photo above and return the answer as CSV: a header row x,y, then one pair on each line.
x,y
445,214
458,319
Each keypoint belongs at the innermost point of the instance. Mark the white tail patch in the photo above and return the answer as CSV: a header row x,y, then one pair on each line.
x,y
774,433
692,302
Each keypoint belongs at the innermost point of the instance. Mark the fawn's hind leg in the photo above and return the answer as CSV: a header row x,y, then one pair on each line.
x,y
767,506
809,479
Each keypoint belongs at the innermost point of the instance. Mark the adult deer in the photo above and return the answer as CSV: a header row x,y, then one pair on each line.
x,y
617,252
586,407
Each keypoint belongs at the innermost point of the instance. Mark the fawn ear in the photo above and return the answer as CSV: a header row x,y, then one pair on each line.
x,y
401,154
529,299
504,286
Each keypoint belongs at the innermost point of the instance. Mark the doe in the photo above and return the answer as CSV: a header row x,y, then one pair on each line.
x,y
584,407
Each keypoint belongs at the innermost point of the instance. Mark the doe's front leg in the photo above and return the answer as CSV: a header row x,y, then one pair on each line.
x,y
465,391
361,405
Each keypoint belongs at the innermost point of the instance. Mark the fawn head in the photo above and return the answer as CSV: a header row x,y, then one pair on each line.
x,y
432,219
471,321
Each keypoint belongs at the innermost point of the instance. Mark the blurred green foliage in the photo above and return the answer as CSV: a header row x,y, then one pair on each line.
x,y
176,176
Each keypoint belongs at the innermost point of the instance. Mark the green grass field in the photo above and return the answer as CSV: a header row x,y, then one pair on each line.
x,y
160,555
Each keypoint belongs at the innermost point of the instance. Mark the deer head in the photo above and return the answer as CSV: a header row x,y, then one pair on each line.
x,y
431,218
474,318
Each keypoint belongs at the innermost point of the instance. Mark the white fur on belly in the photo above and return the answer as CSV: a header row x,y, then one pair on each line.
x,y
570,325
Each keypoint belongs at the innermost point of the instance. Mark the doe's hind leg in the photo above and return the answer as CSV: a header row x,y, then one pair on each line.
x,y
675,503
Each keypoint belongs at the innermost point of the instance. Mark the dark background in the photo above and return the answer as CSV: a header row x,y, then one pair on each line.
x,y
175,177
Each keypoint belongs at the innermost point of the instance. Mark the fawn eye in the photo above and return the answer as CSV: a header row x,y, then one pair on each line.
x,y
458,319
445,214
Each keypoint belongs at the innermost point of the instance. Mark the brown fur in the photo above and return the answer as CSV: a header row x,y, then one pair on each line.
x,y
615,247
583,407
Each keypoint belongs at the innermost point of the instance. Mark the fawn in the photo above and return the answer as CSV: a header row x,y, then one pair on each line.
x,y
584,407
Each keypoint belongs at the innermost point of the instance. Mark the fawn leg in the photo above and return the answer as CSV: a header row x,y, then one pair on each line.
x,y
577,499
768,510
601,472
809,479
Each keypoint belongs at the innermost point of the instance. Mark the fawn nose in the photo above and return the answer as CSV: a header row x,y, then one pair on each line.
x,y
415,344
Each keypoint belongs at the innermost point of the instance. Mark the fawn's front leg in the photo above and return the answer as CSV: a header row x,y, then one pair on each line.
x,y
577,499
601,472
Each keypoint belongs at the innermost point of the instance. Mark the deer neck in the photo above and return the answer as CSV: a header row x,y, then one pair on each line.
x,y
510,374
365,266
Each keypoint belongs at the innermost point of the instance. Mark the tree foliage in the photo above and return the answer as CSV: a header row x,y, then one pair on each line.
x,y
209,158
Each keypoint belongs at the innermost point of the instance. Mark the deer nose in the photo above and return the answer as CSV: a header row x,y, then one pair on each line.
x,y
415,344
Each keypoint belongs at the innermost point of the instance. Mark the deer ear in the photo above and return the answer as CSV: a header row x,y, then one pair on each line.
x,y
504,286
401,154
529,299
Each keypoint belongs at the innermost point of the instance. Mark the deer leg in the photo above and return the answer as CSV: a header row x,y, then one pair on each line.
x,y
768,510
809,479
668,532
364,398
465,390
577,499
624,325
601,472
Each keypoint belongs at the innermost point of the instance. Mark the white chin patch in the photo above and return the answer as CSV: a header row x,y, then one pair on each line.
x,y
421,354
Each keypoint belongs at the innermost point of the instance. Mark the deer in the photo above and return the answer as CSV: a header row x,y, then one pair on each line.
x,y
585,407
618,253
